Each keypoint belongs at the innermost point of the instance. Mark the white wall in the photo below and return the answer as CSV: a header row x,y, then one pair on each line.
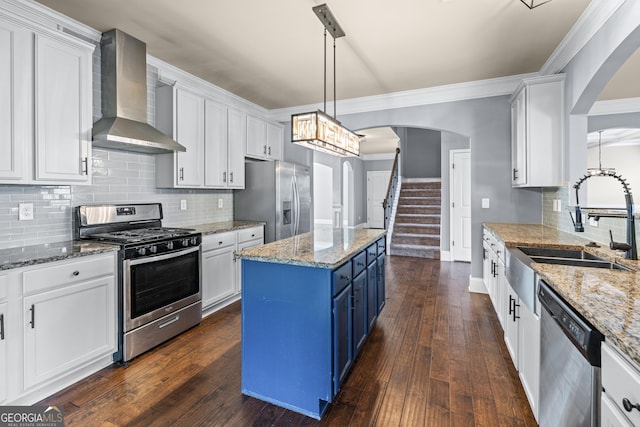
x,y
322,194
606,191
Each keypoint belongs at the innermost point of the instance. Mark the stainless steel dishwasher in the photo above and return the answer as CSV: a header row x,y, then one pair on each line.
x,y
570,384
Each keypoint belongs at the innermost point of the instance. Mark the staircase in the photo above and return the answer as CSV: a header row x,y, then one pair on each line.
x,y
416,231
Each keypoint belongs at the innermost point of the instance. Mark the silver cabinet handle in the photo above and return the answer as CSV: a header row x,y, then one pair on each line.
x,y
230,176
224,177
181,174
85,166
32,322
1,327
269,150
264,149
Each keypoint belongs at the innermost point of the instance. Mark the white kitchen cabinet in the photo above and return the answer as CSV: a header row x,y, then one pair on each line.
x,y
3,351
529,355
247,238
620,382
63,109
264,139
45,107
180,114
218,268
224,146
537,132
69,314
510,324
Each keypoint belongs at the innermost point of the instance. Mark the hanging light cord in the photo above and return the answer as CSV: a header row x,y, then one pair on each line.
x,y
325,70
334,78
600,150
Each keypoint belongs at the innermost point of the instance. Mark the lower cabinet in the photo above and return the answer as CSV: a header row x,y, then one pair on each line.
x,y
380,283
3,352
372,300
221,272
67,327
342,336
510,323
58,325
360,323
621,387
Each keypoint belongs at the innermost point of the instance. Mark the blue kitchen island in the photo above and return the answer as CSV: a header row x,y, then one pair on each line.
x,y
308,304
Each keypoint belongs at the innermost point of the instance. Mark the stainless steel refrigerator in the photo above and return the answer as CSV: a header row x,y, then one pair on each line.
x,y
278,193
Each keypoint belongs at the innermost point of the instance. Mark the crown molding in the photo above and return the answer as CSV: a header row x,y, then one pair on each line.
x,y
615,106
594,16
169,74
412,98
39,17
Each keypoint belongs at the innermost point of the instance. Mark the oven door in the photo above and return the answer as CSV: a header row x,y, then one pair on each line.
x,y
159,285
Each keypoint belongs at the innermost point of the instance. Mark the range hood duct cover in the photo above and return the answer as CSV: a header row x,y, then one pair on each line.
x,y
123,125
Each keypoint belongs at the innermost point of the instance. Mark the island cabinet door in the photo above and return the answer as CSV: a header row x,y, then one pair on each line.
x,y
359,312
372,308
380,285
342,337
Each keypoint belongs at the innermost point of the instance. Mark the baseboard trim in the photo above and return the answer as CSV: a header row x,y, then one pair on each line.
x,y
445,255
476,284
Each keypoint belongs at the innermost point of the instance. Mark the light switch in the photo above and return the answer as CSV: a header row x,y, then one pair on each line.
x,y
485,203
555,205
183,205
220,204
559,206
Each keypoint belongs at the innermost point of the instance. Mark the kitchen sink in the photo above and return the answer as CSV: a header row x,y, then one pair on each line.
x,y
572,257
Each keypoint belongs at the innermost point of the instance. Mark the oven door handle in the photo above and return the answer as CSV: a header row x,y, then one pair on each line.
x,y
156,258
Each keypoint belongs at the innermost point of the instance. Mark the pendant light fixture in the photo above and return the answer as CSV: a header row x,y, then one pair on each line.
x,y
531,4
318,130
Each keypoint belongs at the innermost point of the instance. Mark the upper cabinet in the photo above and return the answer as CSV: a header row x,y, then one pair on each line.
x,y
212,133
45,106
537,132
264,139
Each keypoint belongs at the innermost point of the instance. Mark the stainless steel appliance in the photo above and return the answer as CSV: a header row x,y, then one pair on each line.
x,y
159,273
570,384
278,193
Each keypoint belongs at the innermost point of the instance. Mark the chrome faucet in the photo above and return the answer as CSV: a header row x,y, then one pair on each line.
x,y
630,246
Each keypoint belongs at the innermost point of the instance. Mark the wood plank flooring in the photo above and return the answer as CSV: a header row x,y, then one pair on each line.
x,y
436,357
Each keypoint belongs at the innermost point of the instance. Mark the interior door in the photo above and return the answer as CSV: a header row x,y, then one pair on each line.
x,y
460,189
377,183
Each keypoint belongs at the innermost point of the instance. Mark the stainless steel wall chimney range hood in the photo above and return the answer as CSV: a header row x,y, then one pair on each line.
x,y
123,125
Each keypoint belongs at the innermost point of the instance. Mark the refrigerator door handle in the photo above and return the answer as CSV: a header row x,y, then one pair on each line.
x,y
292,223
296,201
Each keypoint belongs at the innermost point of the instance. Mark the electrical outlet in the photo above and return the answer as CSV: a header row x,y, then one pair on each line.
x,y
485,203
183,205
555,205
559,205
593,222
220,203
25,211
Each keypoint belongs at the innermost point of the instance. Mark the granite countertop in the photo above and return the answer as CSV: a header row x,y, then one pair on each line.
x,y
608,299
322,248
49,252
223,226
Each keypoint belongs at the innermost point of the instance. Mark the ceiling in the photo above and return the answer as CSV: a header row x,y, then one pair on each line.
x,y
271,52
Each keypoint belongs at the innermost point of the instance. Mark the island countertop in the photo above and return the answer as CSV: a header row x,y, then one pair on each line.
x,y
322,248
608,299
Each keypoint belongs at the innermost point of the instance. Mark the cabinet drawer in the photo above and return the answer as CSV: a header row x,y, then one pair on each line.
x,y
359,263
372,253
4,283
247,234
341,277
69,272
218,240
381,246
621,381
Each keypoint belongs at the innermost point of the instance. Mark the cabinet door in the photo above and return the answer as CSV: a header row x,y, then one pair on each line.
x,y
380,284
63,110
342,337
512,303
67,327
256,137
218,275
500,286
359,311
529,355
372,275
3,352
487,269
241,247
15,102
190,133
275,138
519,139
237,143
610,415
215,145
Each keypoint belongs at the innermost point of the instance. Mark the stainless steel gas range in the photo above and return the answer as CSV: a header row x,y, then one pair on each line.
x,y
159,284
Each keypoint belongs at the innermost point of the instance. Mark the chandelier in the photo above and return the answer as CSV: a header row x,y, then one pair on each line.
x,y
318,130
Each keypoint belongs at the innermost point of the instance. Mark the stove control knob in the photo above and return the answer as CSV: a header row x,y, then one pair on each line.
x,y
170,245
153,249
142,251
194,241
185,243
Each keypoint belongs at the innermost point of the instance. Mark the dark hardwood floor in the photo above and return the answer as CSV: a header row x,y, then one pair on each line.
x,y
436,357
